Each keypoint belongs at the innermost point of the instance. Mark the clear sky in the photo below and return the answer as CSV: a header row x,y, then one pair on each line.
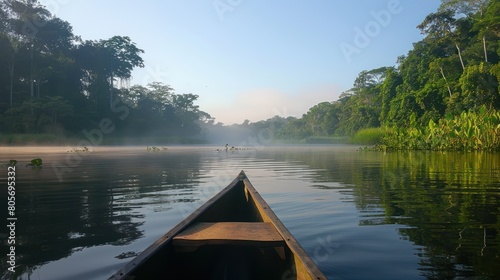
x,y
253,59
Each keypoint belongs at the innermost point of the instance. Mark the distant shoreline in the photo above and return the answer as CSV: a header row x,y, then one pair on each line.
x,y
12,140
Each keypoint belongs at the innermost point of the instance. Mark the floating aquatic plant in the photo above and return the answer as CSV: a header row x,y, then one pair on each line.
x,y
36,162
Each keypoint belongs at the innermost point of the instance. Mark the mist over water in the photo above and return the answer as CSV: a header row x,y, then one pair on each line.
x,y
233,135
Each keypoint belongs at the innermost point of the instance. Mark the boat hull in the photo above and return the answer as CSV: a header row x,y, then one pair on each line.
x,y
234,235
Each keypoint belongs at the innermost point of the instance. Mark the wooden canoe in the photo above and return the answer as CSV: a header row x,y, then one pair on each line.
x,y
234,235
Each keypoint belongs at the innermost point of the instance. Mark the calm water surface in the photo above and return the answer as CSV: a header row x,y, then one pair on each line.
x,y
360,215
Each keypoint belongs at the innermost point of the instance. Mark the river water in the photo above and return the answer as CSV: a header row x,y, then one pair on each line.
x,y
360,215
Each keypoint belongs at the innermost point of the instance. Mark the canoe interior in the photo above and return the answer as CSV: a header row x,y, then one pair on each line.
x,y
239,202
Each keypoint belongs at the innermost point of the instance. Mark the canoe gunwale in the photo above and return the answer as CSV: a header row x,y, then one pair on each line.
x,y
305,267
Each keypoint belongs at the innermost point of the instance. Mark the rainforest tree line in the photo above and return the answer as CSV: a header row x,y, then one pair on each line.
x,y
53,81
446,89
443,94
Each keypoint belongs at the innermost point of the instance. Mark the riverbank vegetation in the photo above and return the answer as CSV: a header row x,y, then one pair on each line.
x,y
442,95
466,132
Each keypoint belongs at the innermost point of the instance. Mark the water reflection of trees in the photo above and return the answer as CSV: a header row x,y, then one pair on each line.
x,y
448,202
99,203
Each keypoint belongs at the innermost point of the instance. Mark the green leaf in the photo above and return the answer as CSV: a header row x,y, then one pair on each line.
x,y
482,110
432,124
12,162
449,116
470,132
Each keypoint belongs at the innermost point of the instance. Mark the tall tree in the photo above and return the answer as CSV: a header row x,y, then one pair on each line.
x,y
440,26
369,78
104,60
9,46
361,105
488,25
26,20
491,19
438,64
322,119
388,92
468,8
122,56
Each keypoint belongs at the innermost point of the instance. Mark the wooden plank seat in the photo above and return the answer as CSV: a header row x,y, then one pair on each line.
x,y
229,233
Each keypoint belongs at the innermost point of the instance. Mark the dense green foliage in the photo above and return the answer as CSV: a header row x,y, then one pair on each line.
x,y
54,83
468,131
369,136
444,94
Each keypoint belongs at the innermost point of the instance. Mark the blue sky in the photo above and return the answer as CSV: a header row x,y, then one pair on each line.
x,y
253,59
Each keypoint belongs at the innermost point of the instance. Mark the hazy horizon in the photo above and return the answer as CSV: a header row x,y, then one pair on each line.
x,y
254,59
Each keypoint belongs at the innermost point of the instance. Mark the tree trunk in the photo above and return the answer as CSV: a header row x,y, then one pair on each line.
x,y
444,77
11,72
460,56
111,86
38,87
111,92
484,47
32,89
